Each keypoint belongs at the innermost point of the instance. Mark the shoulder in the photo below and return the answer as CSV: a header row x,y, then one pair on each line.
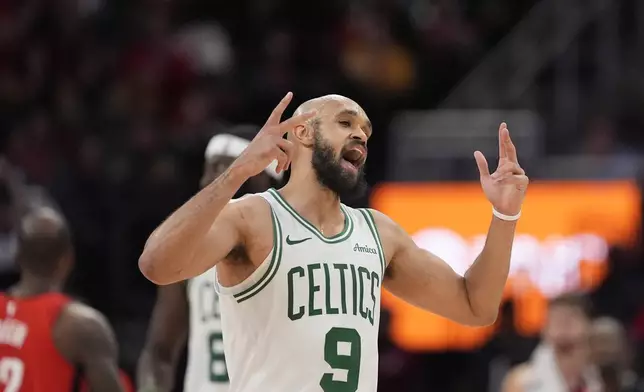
x,y
388,228
81,316
81,329
383,222
394,238
249,208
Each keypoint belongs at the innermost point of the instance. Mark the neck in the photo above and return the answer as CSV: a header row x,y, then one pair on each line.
x,y
30,285
319,205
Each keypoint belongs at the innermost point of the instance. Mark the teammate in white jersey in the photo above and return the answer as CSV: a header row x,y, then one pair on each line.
x,y
190,310
300,312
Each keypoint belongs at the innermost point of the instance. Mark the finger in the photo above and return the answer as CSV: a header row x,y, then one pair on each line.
x,y
507,168
296,120
282,160
481,162
503,128
514,179
276,115
288,148
510,149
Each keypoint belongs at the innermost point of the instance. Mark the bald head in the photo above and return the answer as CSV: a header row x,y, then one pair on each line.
x,y
44,241
331,106
320,103
333,144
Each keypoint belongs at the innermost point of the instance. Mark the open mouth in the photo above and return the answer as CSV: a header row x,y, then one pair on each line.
x,y
355,156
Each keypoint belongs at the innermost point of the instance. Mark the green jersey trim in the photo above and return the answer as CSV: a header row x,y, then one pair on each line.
x,y
371,222
343,235
274,265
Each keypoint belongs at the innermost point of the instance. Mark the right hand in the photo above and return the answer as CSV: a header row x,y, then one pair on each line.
x,y
269,145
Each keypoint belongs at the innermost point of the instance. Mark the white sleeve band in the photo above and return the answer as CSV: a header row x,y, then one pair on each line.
x,y
509,218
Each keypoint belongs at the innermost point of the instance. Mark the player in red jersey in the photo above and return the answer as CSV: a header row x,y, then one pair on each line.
x,y
48,342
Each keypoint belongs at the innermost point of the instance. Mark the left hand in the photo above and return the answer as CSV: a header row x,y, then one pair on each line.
x,y
506,187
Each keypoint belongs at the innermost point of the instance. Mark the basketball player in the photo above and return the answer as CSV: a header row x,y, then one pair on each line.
x,y
192,310
49,343
300,274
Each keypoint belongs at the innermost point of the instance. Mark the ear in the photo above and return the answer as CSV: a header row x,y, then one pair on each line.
x,y
305,134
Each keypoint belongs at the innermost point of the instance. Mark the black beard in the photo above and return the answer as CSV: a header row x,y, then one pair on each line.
x,y
331,175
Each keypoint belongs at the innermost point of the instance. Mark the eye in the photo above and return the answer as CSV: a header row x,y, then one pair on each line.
x,y
345,124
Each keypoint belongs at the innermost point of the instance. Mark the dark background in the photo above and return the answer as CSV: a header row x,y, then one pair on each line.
x,y
108,106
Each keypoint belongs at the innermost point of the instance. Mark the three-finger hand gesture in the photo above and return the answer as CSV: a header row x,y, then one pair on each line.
x,y
269,145
506,187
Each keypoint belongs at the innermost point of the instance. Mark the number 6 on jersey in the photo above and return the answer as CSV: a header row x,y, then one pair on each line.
x,y
342,351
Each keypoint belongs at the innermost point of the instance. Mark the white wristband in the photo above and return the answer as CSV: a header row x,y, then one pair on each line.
x,y
509,218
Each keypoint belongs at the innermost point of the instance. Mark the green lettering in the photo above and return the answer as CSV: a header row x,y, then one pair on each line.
x,y
207,302
363,312
313,288
374,278
355,288
291,297
217,366
343,286
342,361
327,282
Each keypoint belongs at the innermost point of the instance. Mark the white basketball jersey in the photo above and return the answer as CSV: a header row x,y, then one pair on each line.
x,y
206,370
307,319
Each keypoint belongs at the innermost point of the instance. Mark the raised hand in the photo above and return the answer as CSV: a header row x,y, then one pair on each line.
x,y
506,187
269,144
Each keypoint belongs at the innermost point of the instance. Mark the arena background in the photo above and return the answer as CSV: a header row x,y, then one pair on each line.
x,y
106,106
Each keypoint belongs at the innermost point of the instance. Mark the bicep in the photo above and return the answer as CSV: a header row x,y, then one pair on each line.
x,y
168,326
422,278
425,280
86,339
229,230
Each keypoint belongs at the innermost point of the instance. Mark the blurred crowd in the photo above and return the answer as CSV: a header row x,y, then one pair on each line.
x,y
106,107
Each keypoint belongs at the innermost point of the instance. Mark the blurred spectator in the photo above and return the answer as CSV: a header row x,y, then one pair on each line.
x,y
562,361
507,349
373,58
613,354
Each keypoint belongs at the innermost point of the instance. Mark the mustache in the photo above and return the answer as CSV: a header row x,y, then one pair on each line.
x,y
354,143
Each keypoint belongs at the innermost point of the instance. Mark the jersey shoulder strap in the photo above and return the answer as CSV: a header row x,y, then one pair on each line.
x,y
265,272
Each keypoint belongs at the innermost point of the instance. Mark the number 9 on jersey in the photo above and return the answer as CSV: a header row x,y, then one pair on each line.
x,y
342,351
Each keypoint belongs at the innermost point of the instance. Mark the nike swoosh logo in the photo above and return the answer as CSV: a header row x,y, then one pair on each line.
x,y
295,242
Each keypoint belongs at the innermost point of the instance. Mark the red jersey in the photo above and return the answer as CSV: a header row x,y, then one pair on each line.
x,y
29,360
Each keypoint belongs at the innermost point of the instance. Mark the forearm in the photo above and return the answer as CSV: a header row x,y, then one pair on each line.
x,y
102,375
171,247
154,373
485,279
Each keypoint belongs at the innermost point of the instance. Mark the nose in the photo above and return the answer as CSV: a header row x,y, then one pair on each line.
x,y
359,134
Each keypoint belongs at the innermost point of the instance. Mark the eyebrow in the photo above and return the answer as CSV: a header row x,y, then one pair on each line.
x,y
355,114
